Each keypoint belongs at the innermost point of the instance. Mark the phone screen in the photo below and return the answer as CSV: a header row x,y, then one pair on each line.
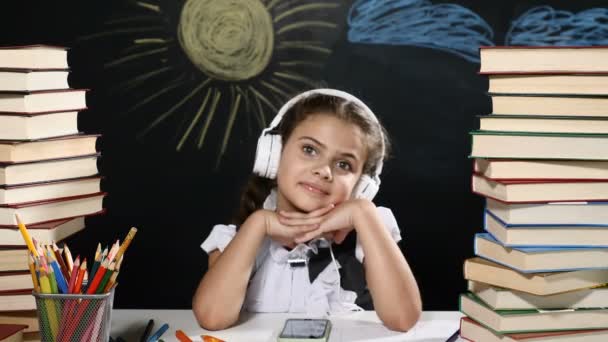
x,y
305,328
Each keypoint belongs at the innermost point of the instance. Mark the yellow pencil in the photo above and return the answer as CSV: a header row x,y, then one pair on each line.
x,y
125,243
33,272
26,236
51,309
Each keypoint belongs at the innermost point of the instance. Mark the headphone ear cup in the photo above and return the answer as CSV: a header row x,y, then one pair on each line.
x,y
367,188
267,155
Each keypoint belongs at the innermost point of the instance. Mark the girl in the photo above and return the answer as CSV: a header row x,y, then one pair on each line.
x,y
325,148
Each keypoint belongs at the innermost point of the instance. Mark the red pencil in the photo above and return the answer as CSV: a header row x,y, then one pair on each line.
x,y
74,275
98,276
81,271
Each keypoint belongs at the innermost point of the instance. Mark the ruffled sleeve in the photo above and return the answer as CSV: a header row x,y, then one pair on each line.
x,y
219,238
390,223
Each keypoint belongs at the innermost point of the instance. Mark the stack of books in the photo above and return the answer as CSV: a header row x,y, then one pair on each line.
x,y
48,169
541,162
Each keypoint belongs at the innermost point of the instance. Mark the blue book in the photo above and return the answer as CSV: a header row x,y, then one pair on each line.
x,y
541,259
545,235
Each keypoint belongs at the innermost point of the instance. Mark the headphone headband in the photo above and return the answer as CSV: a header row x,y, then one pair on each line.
x,y
330,92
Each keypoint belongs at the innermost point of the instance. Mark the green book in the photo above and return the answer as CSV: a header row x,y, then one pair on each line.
x,y
518,321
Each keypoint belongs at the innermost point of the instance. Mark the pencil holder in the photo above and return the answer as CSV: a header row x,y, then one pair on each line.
x,y
74,317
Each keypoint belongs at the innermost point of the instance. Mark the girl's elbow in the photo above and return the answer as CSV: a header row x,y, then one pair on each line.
x,y
404,320
407,322
211,319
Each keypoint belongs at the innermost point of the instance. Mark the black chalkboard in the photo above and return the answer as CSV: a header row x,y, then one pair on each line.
x,y
415,64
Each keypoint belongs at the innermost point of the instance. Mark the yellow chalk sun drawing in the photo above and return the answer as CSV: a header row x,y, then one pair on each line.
x,y
235,59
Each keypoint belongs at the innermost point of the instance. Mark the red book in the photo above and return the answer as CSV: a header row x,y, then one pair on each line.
x,y
11,332
51,210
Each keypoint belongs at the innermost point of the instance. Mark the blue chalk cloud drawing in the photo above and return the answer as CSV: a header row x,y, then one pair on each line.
x,y
447,27
544,25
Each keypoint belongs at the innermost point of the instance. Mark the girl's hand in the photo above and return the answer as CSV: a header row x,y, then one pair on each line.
x,y
337,222
284,234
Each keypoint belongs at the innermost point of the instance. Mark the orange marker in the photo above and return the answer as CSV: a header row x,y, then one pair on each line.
x,y
207,338
182,337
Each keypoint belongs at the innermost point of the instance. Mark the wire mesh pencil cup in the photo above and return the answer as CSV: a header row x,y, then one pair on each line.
x,y
74,317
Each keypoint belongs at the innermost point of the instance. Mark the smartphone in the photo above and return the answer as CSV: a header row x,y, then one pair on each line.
x,y
305,330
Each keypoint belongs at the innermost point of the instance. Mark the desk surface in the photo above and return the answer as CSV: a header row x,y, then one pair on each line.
x,y
434,326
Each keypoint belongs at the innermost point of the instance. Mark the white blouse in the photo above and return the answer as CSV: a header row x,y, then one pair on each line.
x,y
276,286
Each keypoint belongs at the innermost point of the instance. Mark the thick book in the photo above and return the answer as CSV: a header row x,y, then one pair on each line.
x,y
537,145
13,258
34,57
474,331
540,259
504,299
33,80
519,321
551,213
540,190
15,281
514,169
545,235
548,84
15,126
16,302
43,101
538,123
51,210
543,59
485,271
11,332
33,192
50,231
29,317
48,170
46,149
549,104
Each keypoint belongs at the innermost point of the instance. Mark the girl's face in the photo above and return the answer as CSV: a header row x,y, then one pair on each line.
x,y
320,164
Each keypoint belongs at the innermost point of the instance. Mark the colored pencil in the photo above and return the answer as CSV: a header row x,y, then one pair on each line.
x,y
74,275
106,278
97,278
33,272
125,244
80,278
26,236
69,262
61,283
113,251
60,262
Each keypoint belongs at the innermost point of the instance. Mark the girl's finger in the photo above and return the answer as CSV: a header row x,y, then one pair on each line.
x,y
314,213
308,236
299,221
303,229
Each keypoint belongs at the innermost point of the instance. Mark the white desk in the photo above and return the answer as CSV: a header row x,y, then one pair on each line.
x,y
434,326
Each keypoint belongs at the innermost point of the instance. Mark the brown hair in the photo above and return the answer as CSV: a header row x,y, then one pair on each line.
x,y
257,188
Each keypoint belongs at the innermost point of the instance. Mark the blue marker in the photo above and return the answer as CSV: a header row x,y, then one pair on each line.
x,y
158,333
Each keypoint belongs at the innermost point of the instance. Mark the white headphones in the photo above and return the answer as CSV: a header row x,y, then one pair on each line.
x,y
270,144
